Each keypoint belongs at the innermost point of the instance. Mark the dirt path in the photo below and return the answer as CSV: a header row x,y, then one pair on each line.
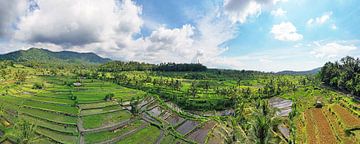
x,y
80,129
160,137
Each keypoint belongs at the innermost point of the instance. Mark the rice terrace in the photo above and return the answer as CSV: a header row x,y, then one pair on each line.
x,y
179,72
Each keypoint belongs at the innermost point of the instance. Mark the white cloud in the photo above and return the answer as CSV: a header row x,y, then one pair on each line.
x,y
241,10
9,11
320,20
173,45
69,23
278,12
113,30
108,28
285,31
332,50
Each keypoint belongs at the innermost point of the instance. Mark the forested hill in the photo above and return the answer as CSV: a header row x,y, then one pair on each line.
x,y
44,56
343,75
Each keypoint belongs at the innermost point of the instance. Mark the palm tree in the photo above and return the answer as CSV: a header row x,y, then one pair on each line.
x,y
25,132
265,120
2,110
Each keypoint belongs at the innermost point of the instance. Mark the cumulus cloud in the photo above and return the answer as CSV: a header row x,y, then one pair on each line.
x,y
332,50
278,12
113,29
319,20
169,45
79,22
9,11
109,29
240,10
285,31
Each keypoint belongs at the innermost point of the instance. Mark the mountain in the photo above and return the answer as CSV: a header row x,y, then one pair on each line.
x,y
44,56
313,71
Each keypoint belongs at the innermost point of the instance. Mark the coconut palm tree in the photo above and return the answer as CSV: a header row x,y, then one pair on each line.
x,y
263,124
1,110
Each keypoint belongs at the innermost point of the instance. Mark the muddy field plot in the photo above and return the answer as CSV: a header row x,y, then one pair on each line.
x,y
346,117
318,128
174,120
217,135
343,137
187,127
310,128
155,111
200,134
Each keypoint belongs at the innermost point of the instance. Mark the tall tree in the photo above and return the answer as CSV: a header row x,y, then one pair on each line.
x,y
265,120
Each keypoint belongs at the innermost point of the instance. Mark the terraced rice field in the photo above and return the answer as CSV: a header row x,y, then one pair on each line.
x,y
57,136
56,116
337,128
349,120
50,116
200,134
101,120
310,127
174,119
146,135
108,135
317,128
187,126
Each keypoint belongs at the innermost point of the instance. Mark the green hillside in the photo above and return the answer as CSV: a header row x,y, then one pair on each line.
x,y
45,56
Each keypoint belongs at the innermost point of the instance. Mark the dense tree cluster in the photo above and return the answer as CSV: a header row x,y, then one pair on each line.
x,y
343,75
117,66
180,67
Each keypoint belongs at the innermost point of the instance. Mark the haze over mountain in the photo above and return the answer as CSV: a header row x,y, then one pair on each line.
x,y
313,71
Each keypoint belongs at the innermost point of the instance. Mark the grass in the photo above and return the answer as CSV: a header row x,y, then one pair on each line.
x,y
57,136
51,107
168,139
146,135
71,129
101,110
97,105
107,135
100,120
50,116
53,100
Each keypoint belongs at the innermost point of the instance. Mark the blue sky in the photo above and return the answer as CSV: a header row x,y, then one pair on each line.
x,y
265,35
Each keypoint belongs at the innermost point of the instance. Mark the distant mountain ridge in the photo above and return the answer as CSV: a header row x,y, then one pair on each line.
x,y
44,55
313,71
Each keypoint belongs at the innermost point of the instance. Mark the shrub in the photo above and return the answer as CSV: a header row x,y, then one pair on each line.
x,y
38,86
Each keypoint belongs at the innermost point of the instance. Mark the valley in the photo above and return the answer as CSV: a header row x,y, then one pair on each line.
x,y
131,102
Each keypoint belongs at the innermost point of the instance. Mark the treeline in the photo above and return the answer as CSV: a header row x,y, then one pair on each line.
x,y
118,66
180,67
343,75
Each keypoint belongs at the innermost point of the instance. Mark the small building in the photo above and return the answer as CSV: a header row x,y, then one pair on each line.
x,y
318,104
77,84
